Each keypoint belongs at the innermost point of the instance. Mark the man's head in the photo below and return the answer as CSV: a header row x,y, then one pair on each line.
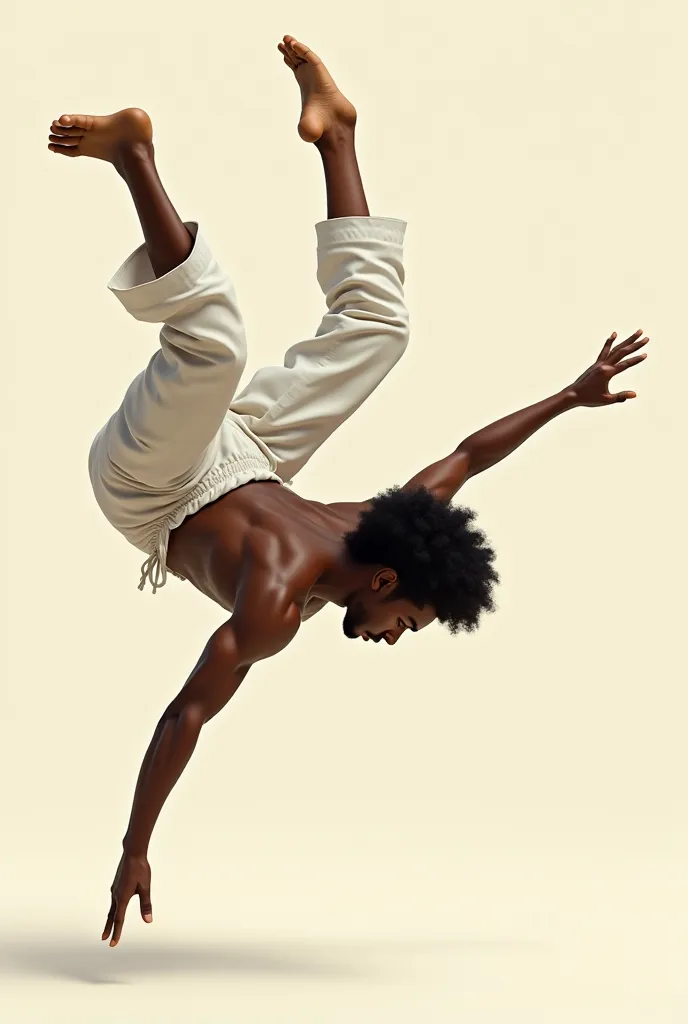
x,y
427,563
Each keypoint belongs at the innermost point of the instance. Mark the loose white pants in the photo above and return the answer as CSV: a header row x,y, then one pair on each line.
x,y
183,437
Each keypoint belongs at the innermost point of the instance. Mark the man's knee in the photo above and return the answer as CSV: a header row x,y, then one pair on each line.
x,y
397,337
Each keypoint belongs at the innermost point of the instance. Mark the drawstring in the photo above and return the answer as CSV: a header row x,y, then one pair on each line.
x,y
154,569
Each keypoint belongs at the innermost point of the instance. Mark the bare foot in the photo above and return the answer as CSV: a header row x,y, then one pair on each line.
x,y
325,108
110,138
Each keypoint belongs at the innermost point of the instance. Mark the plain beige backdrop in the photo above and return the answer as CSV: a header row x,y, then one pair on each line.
x,y
484,829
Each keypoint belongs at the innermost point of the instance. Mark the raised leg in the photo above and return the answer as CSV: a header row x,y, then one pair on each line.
x,y
125,140
163,432
345,195
328,120
295,407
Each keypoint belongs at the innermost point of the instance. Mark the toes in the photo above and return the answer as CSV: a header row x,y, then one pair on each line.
x,y
83,121
287,59
70,131
304,53
63,140
64,150
290,51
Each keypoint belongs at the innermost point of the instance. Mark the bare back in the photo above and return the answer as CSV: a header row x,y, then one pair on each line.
x,y
292,537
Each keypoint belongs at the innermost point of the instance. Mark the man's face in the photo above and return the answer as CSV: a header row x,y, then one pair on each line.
x,y
374,614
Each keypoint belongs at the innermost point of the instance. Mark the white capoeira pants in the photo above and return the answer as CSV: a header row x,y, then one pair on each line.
x,y
183,437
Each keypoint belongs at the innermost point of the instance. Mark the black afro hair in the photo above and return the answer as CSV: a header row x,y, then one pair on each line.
x,y
440,559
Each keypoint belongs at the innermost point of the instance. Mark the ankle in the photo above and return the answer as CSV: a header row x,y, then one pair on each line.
x,y
131,156
340,136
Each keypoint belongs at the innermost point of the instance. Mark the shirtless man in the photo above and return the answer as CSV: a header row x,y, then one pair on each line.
x,y
193,472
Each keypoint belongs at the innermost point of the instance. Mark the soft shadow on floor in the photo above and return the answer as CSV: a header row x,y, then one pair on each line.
x,y
95,963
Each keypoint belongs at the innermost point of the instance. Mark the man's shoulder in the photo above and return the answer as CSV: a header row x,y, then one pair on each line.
x,y
350,510
277,564
271,547
267,610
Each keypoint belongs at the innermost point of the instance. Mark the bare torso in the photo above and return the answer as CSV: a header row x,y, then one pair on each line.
x,y
215,548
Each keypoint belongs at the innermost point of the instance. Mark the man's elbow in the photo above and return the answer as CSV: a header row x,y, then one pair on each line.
x,y
465,461
186,719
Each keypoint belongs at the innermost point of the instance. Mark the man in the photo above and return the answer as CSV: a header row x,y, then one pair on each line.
x,y
192,473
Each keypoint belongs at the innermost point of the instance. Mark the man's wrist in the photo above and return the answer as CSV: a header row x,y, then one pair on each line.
x,y
569,399
134,849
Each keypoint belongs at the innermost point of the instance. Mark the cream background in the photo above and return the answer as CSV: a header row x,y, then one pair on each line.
x,y
484,829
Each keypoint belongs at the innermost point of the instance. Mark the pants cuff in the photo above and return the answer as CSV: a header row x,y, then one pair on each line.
x,y
360,229
138,289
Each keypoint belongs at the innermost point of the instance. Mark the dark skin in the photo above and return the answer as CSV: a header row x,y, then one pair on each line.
x,y
263,553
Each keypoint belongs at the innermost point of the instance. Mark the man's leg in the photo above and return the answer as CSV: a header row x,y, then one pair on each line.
x,y
126,141
173,410
295,407
328,120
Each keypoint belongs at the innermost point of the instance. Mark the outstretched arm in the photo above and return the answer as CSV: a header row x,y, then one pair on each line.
x,y
493,443
256,631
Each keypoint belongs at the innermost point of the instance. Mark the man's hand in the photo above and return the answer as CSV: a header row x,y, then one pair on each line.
x,y
592,387
133,878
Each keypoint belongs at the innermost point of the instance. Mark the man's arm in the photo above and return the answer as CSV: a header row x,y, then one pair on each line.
x,y
493,443
256,631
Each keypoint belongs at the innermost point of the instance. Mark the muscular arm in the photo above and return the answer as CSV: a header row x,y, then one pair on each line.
x,y
256,631
488,446
493,443
265,620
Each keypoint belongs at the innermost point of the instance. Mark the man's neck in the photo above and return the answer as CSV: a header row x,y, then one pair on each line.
x,y
340,580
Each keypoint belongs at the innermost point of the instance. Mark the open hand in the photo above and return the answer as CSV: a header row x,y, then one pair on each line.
x,y
592,387
133,878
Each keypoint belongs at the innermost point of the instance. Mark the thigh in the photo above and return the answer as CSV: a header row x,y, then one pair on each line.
x,y
161,433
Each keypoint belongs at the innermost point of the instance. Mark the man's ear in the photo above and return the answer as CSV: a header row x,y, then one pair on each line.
x,y
383,579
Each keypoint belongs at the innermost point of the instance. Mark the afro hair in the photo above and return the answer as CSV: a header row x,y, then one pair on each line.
x,y
441,561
